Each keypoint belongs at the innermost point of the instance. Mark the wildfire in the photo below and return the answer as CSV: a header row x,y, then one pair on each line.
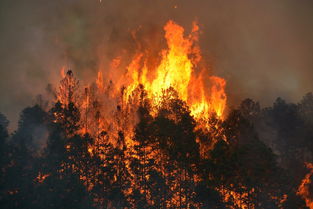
x,y
109,111
41,177
180,69
303,190
239,200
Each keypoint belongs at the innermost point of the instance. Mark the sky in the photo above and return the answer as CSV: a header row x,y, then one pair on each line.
x,y
264,49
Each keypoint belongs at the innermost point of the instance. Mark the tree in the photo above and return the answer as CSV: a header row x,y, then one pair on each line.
x,y
306,109
68,89
244,164
23,157
4,158
67,117
249,109
63,166
3,142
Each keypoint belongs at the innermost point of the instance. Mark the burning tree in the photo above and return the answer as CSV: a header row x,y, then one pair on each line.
x,y
149,140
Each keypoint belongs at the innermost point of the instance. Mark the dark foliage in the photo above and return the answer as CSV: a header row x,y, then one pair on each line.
x,y
259,154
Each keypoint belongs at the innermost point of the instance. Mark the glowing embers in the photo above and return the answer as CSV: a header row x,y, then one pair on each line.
x,y
41,177
304,188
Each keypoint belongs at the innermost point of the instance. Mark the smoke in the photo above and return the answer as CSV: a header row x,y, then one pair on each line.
x,y
263,49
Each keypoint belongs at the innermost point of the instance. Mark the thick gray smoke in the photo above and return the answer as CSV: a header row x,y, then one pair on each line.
x,y
262,48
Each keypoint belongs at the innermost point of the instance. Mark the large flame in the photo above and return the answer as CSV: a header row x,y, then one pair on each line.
x,y
303,189
108,110
179,68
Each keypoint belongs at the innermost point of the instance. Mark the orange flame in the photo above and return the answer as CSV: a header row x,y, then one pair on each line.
x,y
62,72
303,190
203,93
179,66
41,177
108,111
99,81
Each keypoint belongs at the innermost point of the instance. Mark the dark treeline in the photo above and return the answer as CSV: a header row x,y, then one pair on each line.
x,y
46,164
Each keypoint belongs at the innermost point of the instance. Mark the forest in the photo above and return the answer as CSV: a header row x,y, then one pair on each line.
x,y
67,154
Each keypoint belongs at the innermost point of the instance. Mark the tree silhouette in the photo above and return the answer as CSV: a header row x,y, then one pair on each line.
x,y
150,152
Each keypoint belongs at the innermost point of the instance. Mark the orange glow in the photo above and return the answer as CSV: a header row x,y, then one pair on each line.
x,y
239,200
41,177
203,93
67,88
99,81
62,72
111,107
303,189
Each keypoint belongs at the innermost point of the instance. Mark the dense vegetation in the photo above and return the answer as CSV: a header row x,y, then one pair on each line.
x,y
257,159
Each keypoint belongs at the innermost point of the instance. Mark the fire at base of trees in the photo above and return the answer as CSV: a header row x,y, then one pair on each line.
x,y
254,158
161,141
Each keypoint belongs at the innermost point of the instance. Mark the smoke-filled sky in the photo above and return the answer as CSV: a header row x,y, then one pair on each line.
x,y
264,49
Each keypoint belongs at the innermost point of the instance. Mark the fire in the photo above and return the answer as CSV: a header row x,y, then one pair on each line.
x,y
239,200
41,177
108,111
303,189
179,68
99,81
62,72
67,88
